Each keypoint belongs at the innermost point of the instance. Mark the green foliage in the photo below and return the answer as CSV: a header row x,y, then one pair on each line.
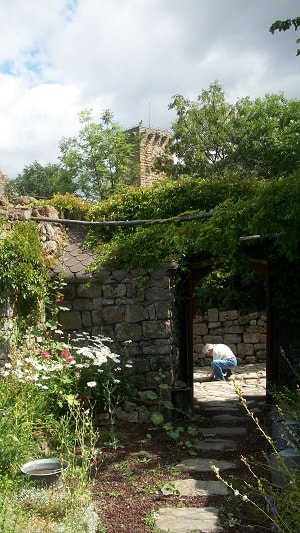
x,y
24,276
184,437
100,158
231,287
28,430
202,131
243,207
210,135
39,181
71,206
20,423
170,241
83,370
284,25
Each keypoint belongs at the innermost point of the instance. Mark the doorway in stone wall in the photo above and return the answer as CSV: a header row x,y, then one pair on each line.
x,y
192,340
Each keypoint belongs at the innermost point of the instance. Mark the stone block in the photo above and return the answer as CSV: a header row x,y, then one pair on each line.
x,y
228,315
113,314
131,291
163,310
96,318
119,275
135,313
251,338
212,339
85,290
233,329
261,356
213,315
143,415
114,291
140,365
127,332
156,294
70,320
82,304
86,319
245,349
250,359
232,338
228,323
212,325
200,329
156,329
255,329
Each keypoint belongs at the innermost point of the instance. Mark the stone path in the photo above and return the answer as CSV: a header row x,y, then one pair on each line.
x,y
219,401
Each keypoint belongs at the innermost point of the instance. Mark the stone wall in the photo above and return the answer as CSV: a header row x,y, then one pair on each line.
x,y
246,335
138,315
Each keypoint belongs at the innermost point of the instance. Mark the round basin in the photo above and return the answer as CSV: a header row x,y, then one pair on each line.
x,y
46,471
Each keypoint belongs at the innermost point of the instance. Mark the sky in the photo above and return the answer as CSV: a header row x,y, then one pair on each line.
x,y
58,57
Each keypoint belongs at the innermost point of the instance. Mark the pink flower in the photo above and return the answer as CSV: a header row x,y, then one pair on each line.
x,y
79,400
61,299
67,356
45,355
65,353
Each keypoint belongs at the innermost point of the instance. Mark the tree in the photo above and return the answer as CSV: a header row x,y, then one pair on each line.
x,y
284,25
101,158
260,137
201,131
40,181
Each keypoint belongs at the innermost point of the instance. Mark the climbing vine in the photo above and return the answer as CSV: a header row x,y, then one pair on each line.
x,y
24,276
243,206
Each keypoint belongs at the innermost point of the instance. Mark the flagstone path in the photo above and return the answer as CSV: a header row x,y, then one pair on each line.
x,y
217,401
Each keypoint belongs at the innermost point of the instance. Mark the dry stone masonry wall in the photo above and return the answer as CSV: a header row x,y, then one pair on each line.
x,y
246,335
137,314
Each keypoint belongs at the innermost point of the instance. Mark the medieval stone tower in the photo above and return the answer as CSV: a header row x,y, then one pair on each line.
x,y
154,144
3,181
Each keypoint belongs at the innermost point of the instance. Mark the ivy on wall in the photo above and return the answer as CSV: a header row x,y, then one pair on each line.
x,y
24,276
244,206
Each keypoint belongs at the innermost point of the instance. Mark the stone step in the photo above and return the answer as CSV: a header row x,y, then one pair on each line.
x,y
220,407
222,430
188,520
230,418
221,445
201,464
194,487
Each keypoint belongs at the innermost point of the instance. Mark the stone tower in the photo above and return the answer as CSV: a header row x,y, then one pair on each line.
x,y
3,181
154,143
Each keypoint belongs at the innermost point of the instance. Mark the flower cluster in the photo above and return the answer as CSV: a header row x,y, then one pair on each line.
x,y
76,370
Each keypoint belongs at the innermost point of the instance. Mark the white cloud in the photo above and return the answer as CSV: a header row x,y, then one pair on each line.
x,y
132,56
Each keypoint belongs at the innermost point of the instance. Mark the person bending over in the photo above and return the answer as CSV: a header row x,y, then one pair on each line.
x,y
223,360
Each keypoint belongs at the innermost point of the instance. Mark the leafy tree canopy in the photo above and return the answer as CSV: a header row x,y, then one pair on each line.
x,y
259,136
39,181
284,25
101,158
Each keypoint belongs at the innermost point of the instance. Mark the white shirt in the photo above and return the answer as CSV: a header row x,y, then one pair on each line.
x,y
222,351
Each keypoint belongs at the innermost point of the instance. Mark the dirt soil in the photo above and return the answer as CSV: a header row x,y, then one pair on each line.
x,y
127,486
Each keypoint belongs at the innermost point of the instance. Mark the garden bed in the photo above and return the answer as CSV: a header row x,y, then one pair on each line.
x,y
127,488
